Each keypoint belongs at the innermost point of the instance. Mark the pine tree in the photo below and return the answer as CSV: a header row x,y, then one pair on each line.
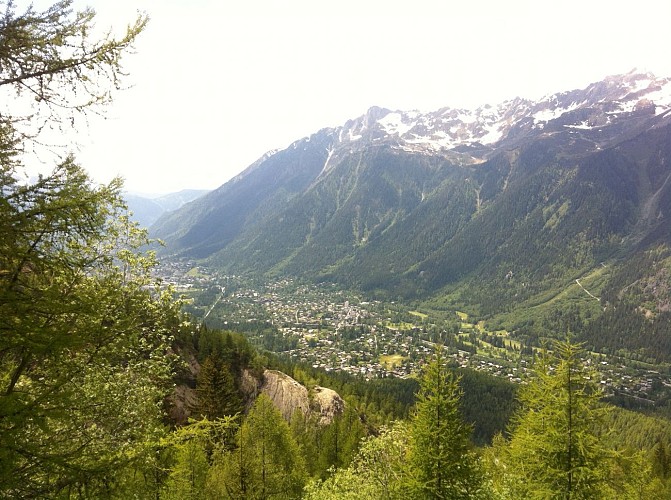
x,y
442,464
216,390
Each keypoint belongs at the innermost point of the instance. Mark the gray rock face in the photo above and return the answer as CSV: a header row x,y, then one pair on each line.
x,y
288,395
328,403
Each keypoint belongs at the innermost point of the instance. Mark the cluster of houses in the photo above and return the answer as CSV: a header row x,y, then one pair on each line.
x,y
337,331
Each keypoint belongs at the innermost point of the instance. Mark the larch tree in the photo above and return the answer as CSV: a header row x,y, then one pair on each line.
x,y
193,448
377,471
267,462
84,332
442,464
55,68
554,451
338,441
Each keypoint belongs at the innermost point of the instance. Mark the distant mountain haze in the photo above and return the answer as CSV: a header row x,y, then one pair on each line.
x,y
147,209
493,206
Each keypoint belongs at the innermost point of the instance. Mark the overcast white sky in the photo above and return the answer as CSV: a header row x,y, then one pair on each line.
x,y
217,84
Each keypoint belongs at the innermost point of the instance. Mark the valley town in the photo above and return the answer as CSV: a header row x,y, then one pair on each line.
x,y
337,330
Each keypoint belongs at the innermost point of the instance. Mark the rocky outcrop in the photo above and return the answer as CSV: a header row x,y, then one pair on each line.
x,y
288,396
179,404
327,403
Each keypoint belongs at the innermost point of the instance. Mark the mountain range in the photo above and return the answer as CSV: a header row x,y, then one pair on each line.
x,y
499,209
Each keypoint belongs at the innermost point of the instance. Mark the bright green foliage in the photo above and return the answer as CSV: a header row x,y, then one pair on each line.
x,y
442,464
634,479
344,484
339,441
144,478
267,462
305,430
382,461
387,467
378,471
194,447
188,477
553,450
84,333
661,460
85,341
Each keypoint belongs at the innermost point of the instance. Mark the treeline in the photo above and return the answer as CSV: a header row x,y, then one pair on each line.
x,y
559,444
487,404
344,457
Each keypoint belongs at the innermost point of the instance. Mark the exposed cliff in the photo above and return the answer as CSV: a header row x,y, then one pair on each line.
x,y
288,396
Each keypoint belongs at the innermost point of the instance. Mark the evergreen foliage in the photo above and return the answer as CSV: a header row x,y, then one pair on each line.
x,y
86,338
216,390
554,449
192,450
267,463
338,441
86,335
442,463
378,471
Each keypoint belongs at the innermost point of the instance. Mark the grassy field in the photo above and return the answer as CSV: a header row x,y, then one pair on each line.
x,y
421,316
398,326
195,273
391,361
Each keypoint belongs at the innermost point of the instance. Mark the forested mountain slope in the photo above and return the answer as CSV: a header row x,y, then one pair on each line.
x,y
498,205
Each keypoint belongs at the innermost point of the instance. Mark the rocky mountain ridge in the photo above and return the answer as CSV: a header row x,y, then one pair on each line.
x,y
476,131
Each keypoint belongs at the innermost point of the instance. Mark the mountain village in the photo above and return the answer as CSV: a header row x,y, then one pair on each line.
x,y
336,330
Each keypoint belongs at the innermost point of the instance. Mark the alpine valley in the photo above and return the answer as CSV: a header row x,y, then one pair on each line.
x,y
537,217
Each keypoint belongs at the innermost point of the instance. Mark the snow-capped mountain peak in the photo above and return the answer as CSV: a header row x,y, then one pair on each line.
x,y
600,105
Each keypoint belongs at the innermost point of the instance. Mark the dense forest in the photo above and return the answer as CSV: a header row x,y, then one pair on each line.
x,y
94,350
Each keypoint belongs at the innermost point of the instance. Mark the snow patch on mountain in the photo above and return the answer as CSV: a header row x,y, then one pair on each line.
x,y
642,84
393,124
599,105
583,125
548,114
661,97
493,134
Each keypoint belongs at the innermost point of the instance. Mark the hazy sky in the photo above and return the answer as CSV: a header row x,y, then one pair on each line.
x,y
217,84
